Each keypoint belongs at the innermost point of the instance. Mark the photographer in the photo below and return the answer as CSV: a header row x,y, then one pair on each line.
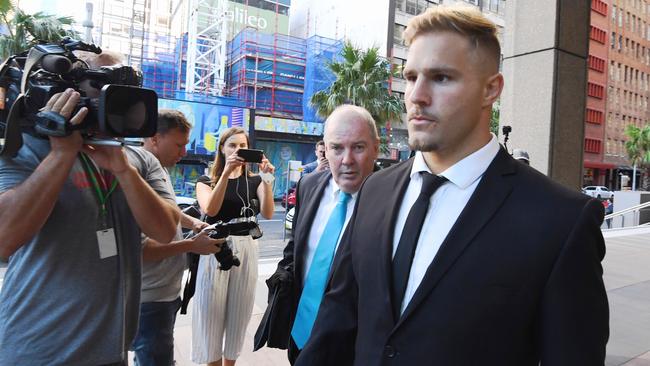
x,y
70,221
223,302
321,163
164,263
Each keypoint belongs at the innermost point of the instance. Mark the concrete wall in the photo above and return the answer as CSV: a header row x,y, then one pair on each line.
x,y
545,76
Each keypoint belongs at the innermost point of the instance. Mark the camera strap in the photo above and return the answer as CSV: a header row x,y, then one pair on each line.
x,y
103,191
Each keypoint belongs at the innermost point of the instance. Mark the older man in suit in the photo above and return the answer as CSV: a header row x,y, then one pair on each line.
x,y
461,255
324,205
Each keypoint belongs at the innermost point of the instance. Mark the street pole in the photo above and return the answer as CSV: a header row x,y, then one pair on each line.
x,y
88,23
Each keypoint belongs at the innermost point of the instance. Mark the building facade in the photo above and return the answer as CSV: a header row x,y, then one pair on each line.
x,y
628,83
595,169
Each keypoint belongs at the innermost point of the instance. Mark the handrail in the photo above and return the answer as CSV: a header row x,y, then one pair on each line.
x,y
628,210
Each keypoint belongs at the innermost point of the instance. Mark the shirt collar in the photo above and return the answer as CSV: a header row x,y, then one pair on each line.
x,y
333,190
466,171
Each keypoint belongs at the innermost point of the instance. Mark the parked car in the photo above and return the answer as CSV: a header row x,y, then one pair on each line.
x,y
288,220
599,192
184,202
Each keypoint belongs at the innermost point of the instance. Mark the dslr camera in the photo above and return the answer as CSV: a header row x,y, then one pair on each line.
x,y
242,226
28,80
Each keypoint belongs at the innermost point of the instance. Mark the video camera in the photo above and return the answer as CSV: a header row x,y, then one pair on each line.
x,y
238,227
28,80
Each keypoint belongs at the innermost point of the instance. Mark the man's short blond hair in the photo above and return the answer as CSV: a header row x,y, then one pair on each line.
x,y
460,19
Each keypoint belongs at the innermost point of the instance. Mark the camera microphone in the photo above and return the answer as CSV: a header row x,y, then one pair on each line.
x,y
56,64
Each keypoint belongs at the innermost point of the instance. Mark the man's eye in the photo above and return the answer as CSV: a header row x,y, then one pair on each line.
x,y
441,78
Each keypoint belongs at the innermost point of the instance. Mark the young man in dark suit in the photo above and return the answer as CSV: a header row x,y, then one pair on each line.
x,y
461,255
324,205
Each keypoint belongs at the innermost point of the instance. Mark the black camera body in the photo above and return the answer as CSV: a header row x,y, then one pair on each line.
x,y
28,80
238,227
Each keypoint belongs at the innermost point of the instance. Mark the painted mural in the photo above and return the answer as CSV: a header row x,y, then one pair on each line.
x,y
279,153
207,120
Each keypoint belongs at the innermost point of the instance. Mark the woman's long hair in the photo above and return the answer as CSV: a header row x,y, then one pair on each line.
x,y
219,158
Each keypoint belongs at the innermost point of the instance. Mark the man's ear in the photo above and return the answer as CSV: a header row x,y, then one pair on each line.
x,y
493,88
154,139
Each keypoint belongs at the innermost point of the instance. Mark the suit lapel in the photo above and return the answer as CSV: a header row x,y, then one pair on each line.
x,y
311,200
484,203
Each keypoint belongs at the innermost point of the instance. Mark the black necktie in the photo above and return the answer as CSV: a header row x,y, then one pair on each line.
x,y
409,240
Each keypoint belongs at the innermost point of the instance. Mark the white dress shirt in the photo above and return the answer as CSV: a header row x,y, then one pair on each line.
x,y
327,203
445,206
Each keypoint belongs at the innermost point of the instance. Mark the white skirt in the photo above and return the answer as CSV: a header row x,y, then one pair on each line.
x,y
223,303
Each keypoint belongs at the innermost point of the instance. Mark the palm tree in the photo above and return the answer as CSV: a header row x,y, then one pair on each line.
x,y
361,79
25,30
637,147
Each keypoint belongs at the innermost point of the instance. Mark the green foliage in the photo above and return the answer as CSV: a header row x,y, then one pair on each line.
x,y
362,80
638,144
25,30
494,118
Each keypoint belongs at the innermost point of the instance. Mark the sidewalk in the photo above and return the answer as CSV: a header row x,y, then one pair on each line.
x,y
263,357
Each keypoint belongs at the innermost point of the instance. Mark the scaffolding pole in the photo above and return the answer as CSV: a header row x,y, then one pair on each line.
x,y
206,49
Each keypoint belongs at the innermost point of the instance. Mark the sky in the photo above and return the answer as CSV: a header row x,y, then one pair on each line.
x,y
74,8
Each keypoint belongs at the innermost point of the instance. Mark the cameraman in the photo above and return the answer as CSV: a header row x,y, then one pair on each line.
x,y
70,221
164,263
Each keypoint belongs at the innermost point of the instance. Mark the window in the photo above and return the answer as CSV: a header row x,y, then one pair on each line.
x,y
613,40
595,90
594,116
398,37
411,7
598,35
596,63
599,6
593,145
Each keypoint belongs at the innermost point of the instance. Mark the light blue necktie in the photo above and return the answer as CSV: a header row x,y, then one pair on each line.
x,y
312,292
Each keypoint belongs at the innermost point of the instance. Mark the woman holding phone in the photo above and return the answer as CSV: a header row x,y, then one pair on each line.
x,y
223,302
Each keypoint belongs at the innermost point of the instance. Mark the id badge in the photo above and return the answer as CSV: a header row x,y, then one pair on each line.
x,y
107,243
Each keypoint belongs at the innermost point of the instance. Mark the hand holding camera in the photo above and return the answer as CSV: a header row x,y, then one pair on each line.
x,y
323,163
204,245
63,104
233,161
239,227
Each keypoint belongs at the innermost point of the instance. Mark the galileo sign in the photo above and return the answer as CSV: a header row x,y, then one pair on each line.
x,y
241,16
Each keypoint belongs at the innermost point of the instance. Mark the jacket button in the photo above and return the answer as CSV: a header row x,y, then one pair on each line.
x,y
389,351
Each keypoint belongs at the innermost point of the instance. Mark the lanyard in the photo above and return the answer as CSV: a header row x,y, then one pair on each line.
x,y
90,171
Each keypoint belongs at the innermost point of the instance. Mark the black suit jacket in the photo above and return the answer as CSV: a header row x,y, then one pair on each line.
x,y
309,192
516,282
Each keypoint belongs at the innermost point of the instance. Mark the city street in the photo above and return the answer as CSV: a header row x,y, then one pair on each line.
x,y
626,274
271,243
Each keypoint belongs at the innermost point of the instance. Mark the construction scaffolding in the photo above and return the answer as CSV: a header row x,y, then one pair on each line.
x,y
267,72
320,52
207,40
159,65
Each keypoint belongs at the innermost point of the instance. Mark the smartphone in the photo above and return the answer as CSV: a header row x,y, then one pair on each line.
x,y
322,154
251,155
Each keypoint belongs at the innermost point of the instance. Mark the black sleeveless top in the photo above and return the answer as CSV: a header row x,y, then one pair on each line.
x,y
236,197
